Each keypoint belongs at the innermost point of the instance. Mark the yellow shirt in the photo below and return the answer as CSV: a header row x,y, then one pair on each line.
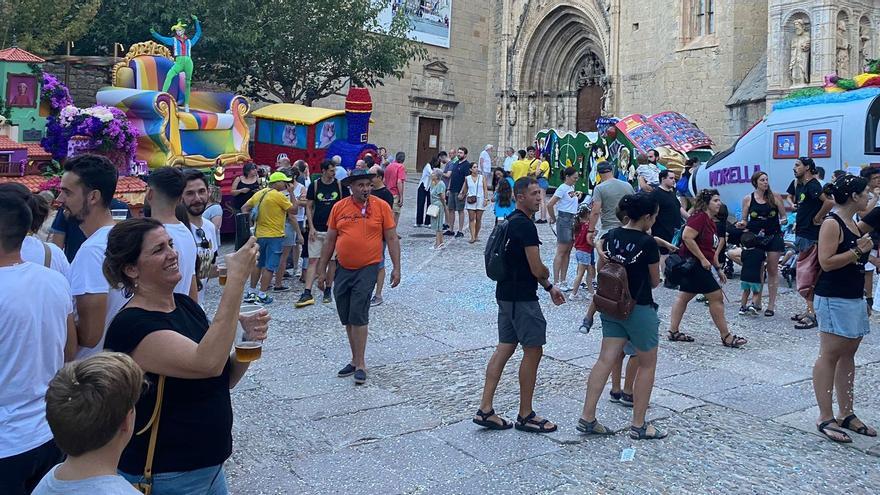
x,y
534,167
272,212
519,168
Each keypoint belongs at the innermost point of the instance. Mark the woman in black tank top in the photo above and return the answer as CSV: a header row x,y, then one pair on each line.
x,y
244,186
763,214
840,308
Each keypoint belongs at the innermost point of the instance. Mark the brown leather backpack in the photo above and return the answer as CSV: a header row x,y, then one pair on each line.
x,y
612,296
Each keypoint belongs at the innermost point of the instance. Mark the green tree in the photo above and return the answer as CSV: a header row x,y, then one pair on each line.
x,y
129,21
300,50
43,25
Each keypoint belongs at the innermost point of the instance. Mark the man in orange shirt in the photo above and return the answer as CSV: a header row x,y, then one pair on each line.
x,y
355,230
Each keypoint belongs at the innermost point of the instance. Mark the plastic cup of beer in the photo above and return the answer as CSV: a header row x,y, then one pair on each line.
x,y
119,214
247,350
221,272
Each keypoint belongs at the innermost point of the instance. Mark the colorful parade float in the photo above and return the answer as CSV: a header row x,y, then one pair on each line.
x,y
313,133
837,125
620,142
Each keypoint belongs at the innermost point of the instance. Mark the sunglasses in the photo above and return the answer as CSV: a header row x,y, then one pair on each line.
x,y
204,244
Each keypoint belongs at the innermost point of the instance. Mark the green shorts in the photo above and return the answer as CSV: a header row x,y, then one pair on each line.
x,y
640,328
755,288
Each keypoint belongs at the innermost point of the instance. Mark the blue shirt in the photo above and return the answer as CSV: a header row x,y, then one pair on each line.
x,y
73,235
459,173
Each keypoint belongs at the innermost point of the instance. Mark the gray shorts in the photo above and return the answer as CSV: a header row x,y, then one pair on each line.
x,y
521,322
564,228
353,290
455,204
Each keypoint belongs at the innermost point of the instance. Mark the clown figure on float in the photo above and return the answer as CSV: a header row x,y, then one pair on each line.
x,y
182,47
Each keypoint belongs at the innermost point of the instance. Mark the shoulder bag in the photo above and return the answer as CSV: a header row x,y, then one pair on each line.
x,y
146,486
256,210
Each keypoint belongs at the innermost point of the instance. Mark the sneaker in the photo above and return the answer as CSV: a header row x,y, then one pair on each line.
x,y
375,301
576,296
287,275
360,377
328,297
281,288
614,396
250,298
347,371
267,299
626,400
448,232
586,325
446,226
306,299
564,287
459,234
441,247
743,310
754,310
540,221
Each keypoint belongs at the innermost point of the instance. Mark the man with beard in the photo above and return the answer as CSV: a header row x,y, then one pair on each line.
x,y
87,186
356,228
195,199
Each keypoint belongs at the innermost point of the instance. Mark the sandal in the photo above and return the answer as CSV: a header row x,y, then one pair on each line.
x,y
799,316
592,428
769,313
824,428
677,336
538,426
486,423
735,341
806,323
861,430
642,433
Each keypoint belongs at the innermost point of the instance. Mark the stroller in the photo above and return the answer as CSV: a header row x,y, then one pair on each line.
x,y
788,263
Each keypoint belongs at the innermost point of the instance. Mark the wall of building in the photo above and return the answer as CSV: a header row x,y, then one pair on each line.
x,y
659,70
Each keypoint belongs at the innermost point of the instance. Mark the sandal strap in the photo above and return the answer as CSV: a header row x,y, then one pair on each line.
x,y
847,420
485,416
523,420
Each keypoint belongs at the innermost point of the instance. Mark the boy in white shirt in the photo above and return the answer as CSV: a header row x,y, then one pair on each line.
x,y
90,408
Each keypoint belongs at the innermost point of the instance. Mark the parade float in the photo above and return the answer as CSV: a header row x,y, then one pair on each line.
x,y
811,122
313,133
620,142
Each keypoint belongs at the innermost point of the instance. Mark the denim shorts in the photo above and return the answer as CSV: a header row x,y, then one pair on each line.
x,y
801,244
842,317
564,228
583,257
640,328
289,235
384,249
270,252
208,481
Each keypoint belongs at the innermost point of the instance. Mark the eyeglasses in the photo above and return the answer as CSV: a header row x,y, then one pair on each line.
x,y
204,244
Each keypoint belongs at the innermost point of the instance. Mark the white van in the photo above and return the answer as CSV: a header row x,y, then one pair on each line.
x,y
836,130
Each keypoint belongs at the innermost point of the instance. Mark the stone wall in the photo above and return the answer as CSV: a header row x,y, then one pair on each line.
x,y
659,70
451,84
84,81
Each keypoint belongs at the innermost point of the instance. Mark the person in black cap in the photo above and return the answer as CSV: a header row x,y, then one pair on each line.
x,y
606,196
356,229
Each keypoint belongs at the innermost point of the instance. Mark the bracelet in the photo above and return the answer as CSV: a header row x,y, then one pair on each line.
x,y
856,252
591,231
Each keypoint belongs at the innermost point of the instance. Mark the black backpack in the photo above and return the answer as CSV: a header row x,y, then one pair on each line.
x,y
496,252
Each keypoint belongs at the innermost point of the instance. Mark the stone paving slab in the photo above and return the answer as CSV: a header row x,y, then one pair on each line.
x,y
765,401
805,420
391,350
513,479
495,447
375,424
305,386
703,382
395,465
345,402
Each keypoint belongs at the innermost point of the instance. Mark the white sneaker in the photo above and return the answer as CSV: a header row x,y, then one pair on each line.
x,y
564,287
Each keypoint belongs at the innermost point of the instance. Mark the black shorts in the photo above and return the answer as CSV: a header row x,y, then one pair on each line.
x,y
775,244
521,322
699,281
353,290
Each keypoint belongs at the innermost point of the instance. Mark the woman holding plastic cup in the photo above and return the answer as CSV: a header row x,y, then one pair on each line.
x,y
170,336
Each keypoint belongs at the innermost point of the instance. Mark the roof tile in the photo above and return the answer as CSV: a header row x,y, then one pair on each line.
x,y
16,54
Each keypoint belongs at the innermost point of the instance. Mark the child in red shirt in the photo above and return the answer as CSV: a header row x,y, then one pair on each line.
x,y
583,250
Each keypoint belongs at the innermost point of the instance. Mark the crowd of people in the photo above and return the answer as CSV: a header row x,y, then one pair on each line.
x,y
120,301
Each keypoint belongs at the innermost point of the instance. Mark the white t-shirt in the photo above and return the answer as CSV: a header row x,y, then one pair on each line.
x,y
508,162
300,210
426,177
87,277
103,485
210,213
341,172
205,254
32,250
185,246
33,333
568,200
485,162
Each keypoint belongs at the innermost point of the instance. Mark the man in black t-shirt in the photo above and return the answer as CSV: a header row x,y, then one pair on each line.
x,y
670,215
458,174
322,194
805,193
520,320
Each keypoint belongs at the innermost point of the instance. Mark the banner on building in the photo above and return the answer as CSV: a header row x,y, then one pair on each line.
x,y
429,19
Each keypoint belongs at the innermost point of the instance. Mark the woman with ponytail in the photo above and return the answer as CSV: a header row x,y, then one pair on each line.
x,y
840,307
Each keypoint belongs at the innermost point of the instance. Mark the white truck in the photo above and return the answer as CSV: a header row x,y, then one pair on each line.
x,y
836,130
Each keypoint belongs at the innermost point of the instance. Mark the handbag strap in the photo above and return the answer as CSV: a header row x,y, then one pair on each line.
x,y
47,255
153,423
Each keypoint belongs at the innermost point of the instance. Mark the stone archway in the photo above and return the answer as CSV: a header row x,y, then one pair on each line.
x,y
559,51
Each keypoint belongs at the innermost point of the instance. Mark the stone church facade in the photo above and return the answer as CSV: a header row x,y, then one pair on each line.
x,y
516,66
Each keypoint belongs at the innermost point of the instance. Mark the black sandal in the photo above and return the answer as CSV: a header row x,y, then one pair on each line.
x,y
592,428
824,429
678,336
769,312
522,422
642,433
735,341
486,423
861,430
806,323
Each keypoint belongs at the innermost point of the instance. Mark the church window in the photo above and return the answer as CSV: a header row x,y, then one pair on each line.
x,y
698,20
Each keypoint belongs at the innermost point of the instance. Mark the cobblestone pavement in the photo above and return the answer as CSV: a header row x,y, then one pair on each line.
x,y
740,420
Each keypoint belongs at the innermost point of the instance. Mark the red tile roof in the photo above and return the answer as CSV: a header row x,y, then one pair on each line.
x,y
7,144
36,152
130,185
32,182
15,54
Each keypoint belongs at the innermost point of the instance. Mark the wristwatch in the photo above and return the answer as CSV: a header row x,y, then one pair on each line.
x,y
548,288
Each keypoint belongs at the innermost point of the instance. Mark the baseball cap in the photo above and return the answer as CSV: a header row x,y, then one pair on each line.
x,y
604,168
279,177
